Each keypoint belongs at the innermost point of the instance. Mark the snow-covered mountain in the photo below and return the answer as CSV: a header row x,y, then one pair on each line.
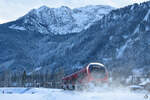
x,y
120,40
61,20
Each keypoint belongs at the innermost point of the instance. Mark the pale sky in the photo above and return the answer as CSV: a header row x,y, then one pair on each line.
x,y
13,9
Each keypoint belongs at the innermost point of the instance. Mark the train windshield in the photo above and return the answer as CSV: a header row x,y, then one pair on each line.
x,y
97,71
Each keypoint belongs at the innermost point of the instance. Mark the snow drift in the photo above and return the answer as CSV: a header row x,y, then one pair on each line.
x,y
58,94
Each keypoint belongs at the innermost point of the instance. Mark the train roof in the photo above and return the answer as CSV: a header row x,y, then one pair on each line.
x,y
74,74
96,63
81,70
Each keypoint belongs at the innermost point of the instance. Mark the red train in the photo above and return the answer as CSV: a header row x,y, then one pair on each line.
x,y
93,73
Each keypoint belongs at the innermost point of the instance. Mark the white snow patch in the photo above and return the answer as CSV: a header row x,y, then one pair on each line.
x,y
147,16
58,94
77,66
110,38
137,72
35,70
145,19
7,63
136,86
136,29
129,79
125,36
145,82
132,7
147,28
137,38
121,50
115,16
17,27
38,68
21,97
107,59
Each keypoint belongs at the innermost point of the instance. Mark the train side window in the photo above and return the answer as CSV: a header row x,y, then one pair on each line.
x,y
64,81
74,80
82,75
67,81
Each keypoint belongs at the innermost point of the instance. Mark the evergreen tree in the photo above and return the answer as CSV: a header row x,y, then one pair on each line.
x,y
24,76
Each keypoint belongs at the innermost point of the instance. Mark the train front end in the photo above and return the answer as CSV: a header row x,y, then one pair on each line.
x,y
97,73
92,74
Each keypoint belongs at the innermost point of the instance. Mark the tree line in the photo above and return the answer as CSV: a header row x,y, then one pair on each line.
x,y
35,79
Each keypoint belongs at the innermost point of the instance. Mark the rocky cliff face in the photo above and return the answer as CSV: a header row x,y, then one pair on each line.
x,y
61,20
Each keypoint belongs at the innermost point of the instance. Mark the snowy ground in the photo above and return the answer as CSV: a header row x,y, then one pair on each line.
x,y
58,94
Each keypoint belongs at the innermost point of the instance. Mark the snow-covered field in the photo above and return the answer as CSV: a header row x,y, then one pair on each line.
x,y
58,94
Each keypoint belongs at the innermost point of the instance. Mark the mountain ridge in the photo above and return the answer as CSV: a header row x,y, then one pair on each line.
x,y
61,20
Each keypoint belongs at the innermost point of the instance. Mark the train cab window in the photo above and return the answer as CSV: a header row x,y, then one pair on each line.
x,y
97,71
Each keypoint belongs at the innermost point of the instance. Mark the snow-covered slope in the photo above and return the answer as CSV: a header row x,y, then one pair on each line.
x,y
61,20
56,94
